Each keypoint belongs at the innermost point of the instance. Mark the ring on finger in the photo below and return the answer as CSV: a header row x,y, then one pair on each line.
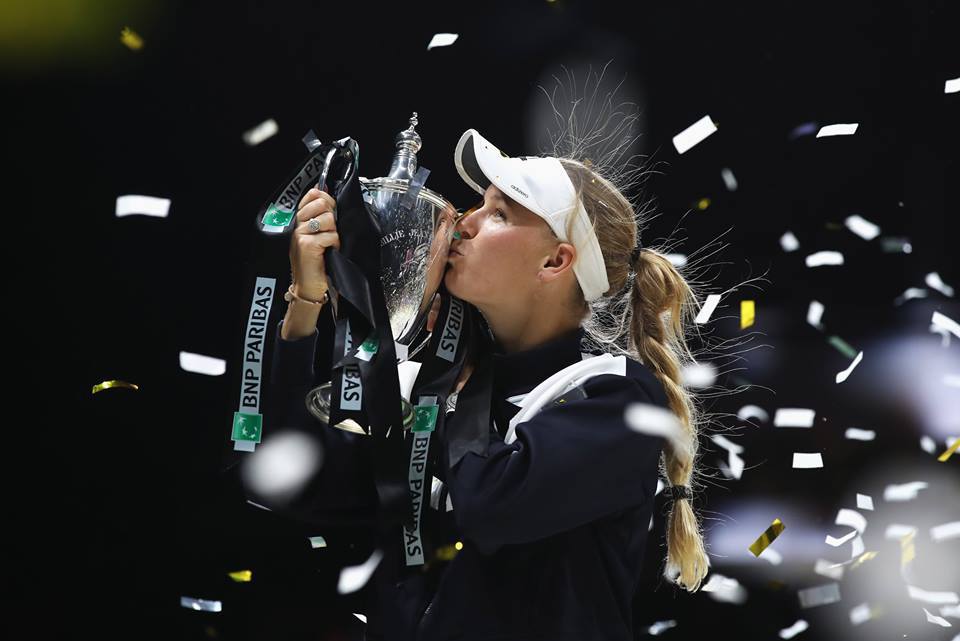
x,y
314,225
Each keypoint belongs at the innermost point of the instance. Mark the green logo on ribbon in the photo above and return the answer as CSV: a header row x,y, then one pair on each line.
x,y
247,427
277,217
425,418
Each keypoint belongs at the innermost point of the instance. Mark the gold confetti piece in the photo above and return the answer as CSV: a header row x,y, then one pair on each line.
x,y
99,387
863,558
747,313
908,550
703,203
243,576
769,536
953,448
131,38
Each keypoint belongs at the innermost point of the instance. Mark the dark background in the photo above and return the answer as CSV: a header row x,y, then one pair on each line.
x,y
115,498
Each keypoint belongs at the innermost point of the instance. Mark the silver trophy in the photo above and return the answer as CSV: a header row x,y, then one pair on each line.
x,y
414,244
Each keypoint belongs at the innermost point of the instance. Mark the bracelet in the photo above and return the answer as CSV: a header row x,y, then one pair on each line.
x,y
290,296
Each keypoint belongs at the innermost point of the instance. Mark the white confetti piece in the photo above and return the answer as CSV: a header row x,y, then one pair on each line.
x,y
819,595
789,242
282,464
318,542
862,227
935,598
748,412
933,618
442,40
661,626
257,505
729,179
362,617
793,417
132,205
860,614
770,555
804,129
904,492
200,364
851,518
677,260
815,314
856,548
951,86
945,531
794,630
354,577
828,569
707,310
694,134
834,542
842,376
698,375
725,589
856,434
201,604
896,245
261,132
910,293
934,281
841,129
864,502
656,421
726,443
805,460
896,531
928,445
947,323
951,611
827,257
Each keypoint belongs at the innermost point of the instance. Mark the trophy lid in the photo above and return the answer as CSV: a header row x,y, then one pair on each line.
x,y
408,143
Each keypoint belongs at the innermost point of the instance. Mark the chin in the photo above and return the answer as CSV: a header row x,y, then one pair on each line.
x,y
453,286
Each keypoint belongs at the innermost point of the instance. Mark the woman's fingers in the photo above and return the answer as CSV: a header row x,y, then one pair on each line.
x,y
319,241
434,313
313,195
325,221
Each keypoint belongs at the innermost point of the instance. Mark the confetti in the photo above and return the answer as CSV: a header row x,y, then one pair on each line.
x,y
819,595
842,376
677,260
99,387
698,375
863,558
803,460
951,611
789,242
932,618
856,434
703,204
318,542
905,492
353,578
829,569
861,614
694,134
200,364
362,617
842,129
243,576
772,556
201,604
951,86
936,598
834,542
824,258
726,443
862,227
656,421
725,589
707,310
442,40
842,346
282,464
946,323
793,417
131,38
864,502
896,244
851,518
747,412
951,380
910,293
908,551
133,204
946,455
928,445
898,531
769,536
661,626
261,132
815,314
794,630
747,313
804,129
262,507
934,281
733,470
729,179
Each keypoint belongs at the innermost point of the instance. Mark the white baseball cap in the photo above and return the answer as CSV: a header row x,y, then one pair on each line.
x,y
542,186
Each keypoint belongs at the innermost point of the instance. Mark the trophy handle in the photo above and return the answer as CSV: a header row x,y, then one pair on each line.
x,y
339,167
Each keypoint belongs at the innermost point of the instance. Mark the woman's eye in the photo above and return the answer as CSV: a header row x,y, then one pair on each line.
x,y
502,215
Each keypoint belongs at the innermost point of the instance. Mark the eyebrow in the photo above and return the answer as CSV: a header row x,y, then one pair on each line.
x,y
507,201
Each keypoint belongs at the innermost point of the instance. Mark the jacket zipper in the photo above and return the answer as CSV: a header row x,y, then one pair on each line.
x,y
423,618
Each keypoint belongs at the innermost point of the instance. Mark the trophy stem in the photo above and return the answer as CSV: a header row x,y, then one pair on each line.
x,y
318,404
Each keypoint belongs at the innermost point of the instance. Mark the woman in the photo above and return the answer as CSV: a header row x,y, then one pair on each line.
x,y
549,519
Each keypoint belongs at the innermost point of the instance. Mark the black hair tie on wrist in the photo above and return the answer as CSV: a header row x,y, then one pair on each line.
x,y
678,492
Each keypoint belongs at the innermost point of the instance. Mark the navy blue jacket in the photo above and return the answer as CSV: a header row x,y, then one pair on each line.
x,y
551,528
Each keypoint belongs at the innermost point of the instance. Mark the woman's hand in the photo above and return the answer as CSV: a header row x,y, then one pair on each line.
x,y
307,246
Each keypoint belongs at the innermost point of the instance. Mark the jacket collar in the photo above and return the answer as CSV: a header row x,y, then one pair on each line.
x,y
519,372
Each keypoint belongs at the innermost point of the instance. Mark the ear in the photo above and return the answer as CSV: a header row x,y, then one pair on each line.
x,y
558,263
